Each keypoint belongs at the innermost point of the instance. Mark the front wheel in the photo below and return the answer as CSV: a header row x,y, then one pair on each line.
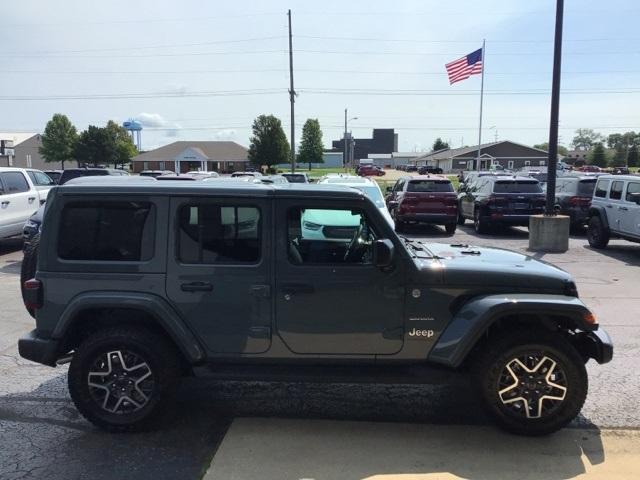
x,y
531,382
121,377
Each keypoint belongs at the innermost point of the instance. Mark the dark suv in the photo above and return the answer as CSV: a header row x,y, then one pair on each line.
x,y
71,173
573,197
494,200
137,283
423,199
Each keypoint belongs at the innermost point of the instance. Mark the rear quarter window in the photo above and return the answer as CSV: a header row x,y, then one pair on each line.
x,y
117,231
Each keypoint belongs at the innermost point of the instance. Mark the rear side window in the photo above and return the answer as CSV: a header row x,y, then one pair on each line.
x,y
433,186
107,231
601,188
13,182
516,186
212,234
616,190
586,187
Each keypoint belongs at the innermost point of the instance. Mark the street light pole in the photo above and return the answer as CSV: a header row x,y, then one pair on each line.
x,y
555,112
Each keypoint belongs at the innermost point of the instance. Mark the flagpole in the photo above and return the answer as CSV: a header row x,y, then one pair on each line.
x,y
481,96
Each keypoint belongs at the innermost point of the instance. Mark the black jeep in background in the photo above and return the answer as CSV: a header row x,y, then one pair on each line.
x,y
494,200
573,198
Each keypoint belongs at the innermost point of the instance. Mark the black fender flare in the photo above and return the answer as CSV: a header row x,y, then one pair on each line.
x,y
477,315
165,316
598,210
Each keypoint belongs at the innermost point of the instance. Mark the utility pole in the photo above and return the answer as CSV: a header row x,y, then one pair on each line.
x,y
292,98
344,153
555,111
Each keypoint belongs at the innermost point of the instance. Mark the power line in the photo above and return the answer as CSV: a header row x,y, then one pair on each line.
x,y
115,96
337,91
146,55
439,41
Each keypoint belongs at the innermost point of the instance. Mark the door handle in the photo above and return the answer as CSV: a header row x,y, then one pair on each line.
x,y
5,203
623,208
291,288
196,287
31,199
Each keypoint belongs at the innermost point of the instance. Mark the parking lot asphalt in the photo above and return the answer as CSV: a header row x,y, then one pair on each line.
x,y
393,431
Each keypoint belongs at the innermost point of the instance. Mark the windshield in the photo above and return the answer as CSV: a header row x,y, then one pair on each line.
x,y
437,186
373,193
517,186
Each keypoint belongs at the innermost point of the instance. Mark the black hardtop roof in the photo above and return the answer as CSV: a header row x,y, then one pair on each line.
x,y
239,189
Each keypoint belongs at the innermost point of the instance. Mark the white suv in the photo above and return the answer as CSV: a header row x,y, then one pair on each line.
x,y
22,191
615,210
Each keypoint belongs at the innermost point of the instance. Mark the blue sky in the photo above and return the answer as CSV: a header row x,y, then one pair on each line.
x,y
204,70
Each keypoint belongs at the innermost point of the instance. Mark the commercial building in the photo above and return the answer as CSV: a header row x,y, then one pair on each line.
x,y
507,154
186,156
383,140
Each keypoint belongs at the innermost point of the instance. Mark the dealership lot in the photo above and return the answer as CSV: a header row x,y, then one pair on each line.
x,y
43,435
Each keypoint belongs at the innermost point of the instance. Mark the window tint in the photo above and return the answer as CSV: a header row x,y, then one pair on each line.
x,y
210,233
39,178
586,187
616,190
516,186
633,187
14,182
108,231
430,186
69,174
601,188
328,236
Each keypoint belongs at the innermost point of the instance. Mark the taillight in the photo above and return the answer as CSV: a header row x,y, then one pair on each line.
x,y
32,294
579,201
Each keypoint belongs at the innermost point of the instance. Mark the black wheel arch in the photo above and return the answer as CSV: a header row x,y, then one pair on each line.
x,y
600,212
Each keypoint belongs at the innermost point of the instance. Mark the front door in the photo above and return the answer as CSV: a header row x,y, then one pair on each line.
x,y
330,298
218,272
17,203
630,211
615,206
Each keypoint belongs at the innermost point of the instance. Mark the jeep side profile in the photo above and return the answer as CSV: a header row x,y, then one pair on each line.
x,y
615,210
138,283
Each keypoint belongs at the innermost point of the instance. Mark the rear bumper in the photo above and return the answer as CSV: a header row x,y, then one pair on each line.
x,y
510,219
439,218
38,349
597,345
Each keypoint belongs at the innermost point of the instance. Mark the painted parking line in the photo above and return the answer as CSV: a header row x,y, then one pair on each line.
x,y
282,449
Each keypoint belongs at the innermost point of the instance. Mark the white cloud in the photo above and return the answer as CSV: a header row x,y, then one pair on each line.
x,y
227,134
155,120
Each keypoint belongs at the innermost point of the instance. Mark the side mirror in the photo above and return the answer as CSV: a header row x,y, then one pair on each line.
x,y
382,252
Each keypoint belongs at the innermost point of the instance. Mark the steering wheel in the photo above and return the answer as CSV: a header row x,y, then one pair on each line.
x,y
356,249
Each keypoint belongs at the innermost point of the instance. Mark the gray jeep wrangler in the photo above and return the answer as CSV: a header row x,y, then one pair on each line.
x,y
138,283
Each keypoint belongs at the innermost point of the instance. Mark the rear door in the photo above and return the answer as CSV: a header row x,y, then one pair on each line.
x,y
218,271
17,202
630,218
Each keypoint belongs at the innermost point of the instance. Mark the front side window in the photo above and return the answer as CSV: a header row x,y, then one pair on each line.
x,y
217,234
616,190
329,236
40,178
601,188
632,188
107,231
13,182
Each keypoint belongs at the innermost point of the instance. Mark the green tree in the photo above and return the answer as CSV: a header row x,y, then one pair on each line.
x,y
439,144
124,149
585,139
632,156
598,155
269,145
59,140
96,146
545,146
311,148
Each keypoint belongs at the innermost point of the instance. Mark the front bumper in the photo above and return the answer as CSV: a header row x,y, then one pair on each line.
x,y
596,344
38,349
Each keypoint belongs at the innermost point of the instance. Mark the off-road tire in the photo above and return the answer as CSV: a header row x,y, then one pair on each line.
x,y
597,234
489,366
164,365
479,225
29,264
450,228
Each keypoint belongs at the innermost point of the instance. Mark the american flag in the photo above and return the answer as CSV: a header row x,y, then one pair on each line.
x,y
464,67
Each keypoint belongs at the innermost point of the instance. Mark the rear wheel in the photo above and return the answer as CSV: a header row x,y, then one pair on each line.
x,y
479,224
121,377
597,234
531,382
450,228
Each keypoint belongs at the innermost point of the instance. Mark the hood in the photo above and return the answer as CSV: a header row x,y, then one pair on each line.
x,y
485,267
